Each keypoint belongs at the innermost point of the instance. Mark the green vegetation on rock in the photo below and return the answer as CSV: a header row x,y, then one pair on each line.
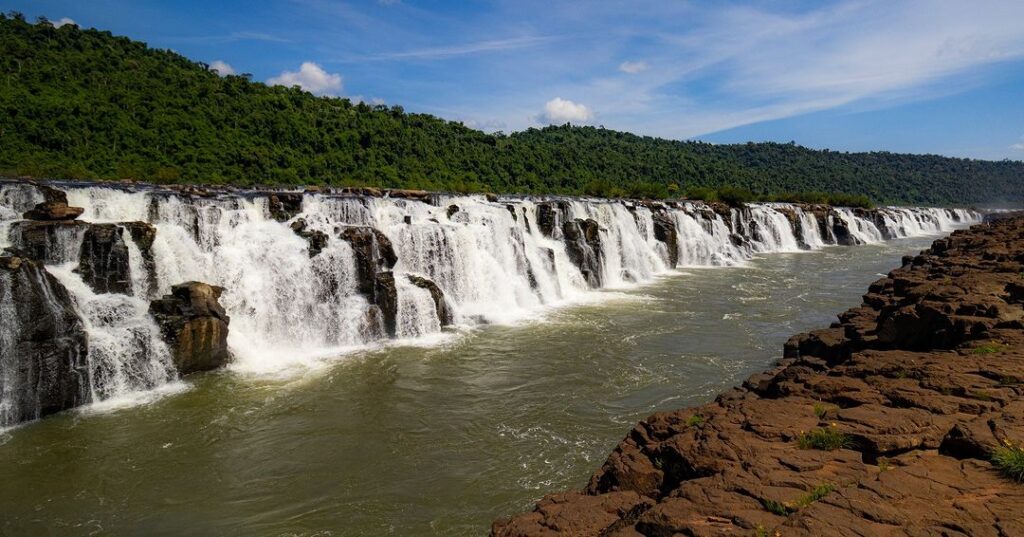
x,y
84,104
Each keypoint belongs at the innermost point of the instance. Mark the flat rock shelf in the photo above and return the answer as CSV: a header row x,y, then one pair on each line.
x,y
903,418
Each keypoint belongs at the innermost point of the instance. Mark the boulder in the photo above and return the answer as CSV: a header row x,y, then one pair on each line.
x,y
54,211
444,310
43,344
194,325
583,244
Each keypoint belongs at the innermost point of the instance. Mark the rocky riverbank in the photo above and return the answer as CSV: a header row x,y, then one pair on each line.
x,y
885,423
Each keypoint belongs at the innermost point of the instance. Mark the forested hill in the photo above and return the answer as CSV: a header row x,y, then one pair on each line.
x,y
86,104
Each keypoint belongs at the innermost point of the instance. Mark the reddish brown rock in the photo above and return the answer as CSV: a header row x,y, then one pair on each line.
x,y
194,325
883,424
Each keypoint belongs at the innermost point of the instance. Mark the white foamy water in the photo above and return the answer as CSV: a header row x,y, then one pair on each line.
x,y
491,259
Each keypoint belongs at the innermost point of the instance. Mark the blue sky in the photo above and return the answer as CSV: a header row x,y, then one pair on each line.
x,y
930,76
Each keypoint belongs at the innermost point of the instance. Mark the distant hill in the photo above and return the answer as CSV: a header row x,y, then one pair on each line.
x,y
86,104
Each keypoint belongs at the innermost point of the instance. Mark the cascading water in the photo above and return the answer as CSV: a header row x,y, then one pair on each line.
x,y
492,261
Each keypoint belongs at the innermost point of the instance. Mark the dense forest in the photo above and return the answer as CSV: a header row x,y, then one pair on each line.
x,y
86,104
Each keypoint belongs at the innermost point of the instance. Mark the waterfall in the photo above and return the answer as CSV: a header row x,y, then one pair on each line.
x,y
126,354
494,261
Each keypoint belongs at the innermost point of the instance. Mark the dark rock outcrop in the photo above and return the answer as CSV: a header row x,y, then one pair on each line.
x,y
444,310
583,244
317,239
103,261
375,258
283,206
49,242
43,344
144,234
194,326
883,424
550,215
665,231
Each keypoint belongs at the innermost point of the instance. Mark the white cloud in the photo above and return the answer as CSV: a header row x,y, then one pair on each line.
x,y
559,110
310,77
223,68
1019,146
62,21
633,67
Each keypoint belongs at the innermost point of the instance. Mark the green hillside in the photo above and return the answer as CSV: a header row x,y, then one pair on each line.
x,y
86,104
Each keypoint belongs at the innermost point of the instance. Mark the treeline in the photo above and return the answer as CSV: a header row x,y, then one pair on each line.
x,y
85,104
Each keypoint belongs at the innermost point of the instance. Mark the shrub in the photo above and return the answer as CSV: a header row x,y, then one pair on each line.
x,y
825,439
735,196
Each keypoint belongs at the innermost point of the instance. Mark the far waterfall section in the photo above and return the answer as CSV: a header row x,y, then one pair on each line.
x,y
74,295
309,275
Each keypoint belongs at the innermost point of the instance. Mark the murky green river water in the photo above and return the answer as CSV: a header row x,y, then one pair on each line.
x,y
422,440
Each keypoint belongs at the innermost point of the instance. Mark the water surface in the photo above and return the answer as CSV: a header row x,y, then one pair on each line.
x,y
423,440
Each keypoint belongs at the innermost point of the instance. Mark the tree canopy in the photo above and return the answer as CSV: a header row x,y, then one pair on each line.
x,y
86,104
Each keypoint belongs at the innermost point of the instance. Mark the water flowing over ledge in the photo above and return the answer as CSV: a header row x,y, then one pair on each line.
x,y
317,274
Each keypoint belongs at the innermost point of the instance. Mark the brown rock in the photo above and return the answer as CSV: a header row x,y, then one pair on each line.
x,y
194,325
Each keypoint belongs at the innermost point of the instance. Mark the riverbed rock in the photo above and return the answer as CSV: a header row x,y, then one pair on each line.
x,y
583,244
194,325
43,344
444,310
883,424
144,235
550,215
48,242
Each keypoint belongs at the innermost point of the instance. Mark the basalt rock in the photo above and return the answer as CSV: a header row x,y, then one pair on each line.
x,y
375,258
882,424
550,215
583,245
283,206
49,242
103,261
54,211
194,326
665,231
444,310
43,344
144,234
317,239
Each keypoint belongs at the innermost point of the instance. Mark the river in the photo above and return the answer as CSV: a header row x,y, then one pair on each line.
x,y
438,437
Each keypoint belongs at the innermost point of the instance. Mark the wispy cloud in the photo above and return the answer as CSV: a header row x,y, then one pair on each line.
x,y
448,51
1019,146
633,67
231,38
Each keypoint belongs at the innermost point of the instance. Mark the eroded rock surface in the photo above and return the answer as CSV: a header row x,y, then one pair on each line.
x,y
43,344
883,424
375,257
194,325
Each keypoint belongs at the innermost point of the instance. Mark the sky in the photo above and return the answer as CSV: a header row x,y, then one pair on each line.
x,y
935,76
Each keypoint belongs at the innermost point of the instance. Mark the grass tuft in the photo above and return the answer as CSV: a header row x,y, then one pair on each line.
x,y
695,419
991,347
815,494
825,439
822,409
776,508
1009,459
